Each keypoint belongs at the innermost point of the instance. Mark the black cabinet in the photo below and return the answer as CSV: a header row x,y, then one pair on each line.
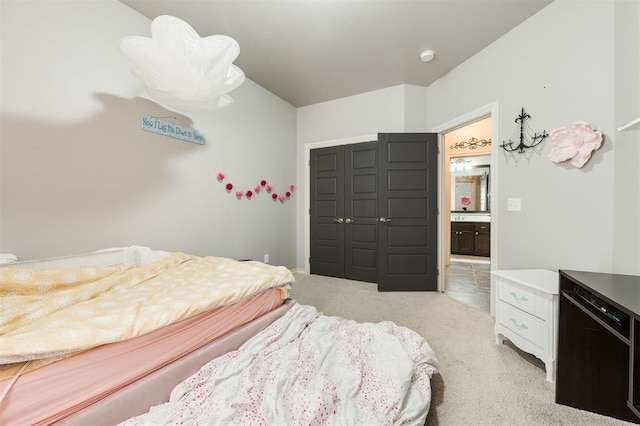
x,y
483,239
463,238
471,238
594,371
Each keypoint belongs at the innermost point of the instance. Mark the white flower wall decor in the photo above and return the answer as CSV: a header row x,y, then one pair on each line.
x,y
180,69
575,143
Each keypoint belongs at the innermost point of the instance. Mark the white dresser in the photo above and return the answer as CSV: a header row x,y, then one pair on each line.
x,y
527,312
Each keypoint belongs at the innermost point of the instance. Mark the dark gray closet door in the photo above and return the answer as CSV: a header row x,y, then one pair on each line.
x,y
361,204
343,211
327,211
407,209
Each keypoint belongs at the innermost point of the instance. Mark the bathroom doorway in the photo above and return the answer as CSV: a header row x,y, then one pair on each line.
x,y
468,206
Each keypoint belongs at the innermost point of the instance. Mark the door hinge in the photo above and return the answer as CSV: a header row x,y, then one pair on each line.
x,y
437,272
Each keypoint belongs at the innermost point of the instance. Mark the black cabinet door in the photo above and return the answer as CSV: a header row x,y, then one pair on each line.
x,y
454,242
463,238
467,242
483,239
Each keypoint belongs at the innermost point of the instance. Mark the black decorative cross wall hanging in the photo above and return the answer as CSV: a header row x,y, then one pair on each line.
x,y
523,144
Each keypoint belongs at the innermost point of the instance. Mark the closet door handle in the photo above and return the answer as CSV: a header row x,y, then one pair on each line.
x,y
338,220
384,220
348,221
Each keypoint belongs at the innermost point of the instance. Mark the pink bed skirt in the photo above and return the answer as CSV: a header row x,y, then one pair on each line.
x,y
64,387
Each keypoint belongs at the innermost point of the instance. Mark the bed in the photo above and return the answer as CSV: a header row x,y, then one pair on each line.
x,y
179,339
129,325
312,369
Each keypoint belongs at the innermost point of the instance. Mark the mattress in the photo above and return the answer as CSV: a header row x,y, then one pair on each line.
x,y
155,388
56,391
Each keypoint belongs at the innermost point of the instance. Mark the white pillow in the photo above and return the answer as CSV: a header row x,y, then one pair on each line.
x,y
8,258
144,254
124,257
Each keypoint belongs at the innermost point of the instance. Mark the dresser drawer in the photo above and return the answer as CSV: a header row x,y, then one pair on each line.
x,y
463,227
525,298
523,324
527,311
483,227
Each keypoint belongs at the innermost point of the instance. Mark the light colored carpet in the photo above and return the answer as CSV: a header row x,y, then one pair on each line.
x,y
478,382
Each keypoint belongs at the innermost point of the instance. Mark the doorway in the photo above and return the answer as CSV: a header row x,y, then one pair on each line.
x,y
469,223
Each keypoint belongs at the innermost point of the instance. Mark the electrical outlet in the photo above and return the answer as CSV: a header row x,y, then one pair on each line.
x,y
266,258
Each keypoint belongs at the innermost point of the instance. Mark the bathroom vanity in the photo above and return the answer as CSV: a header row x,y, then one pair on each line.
x,y
470,206
471,234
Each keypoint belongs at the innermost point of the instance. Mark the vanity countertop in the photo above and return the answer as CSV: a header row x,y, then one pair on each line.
x,y
470,217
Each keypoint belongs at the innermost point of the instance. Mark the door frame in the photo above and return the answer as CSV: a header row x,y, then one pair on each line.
x,y
490,109
307,184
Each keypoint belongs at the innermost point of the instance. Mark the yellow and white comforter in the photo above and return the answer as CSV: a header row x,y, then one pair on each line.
x,y
52,313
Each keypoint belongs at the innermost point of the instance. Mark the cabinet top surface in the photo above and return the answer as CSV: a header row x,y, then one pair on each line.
x,y
539,279
470,217
623,290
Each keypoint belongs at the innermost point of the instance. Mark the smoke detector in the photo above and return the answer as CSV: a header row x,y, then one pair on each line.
x,y
427,55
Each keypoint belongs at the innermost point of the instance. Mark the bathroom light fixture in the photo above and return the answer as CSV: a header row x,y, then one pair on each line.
x,y
427,55
460,165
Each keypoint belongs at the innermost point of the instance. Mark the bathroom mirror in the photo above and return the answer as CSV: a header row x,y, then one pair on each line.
x,y
469,186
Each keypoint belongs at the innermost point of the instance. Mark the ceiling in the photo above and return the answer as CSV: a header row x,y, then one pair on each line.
x,y
310,51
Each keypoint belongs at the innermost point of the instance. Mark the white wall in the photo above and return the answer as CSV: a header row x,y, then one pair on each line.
x,y
394,109
415,109
547,65
626,248
78,173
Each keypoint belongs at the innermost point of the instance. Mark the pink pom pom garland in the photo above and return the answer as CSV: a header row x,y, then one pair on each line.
x,y
256,190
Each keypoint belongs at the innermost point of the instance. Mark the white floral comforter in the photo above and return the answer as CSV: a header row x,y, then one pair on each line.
x,y
308,368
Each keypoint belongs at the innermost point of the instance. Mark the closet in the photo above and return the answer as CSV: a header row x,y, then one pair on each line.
x,y
373,211
344,205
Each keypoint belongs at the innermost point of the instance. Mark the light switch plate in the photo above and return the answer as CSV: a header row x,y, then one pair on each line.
x,y
514,204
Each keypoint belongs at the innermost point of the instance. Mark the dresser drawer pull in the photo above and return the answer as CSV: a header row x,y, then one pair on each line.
x,y
519,299
522,326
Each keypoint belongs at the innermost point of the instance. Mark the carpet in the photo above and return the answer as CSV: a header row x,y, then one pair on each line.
x,y
478,382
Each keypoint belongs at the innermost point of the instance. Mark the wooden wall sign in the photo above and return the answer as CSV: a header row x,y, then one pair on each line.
x,y
161,127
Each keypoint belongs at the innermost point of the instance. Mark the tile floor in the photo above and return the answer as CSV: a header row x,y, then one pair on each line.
x,y
469,282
